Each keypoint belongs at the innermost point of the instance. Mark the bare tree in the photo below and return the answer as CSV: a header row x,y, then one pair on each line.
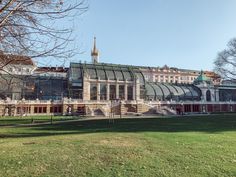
x,y
39,29
35,28
225,63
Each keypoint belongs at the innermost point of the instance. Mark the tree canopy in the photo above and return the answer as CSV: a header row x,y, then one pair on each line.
x,y
225,63
34,27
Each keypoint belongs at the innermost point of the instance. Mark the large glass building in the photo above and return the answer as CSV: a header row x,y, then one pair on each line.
x,y
102,81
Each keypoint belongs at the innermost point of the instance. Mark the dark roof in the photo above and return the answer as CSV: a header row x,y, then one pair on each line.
x,y
10,59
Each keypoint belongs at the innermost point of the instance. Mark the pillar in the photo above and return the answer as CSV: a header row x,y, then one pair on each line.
x,y
32,109
98,91
137,90
126,92
86,89
117,91
217,95
108,91
48,108
134,93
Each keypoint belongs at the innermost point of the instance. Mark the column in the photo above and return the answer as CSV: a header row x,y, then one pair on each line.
x,y
126,92
108,91
137,90
74,108
217,95
98,91
117,91
31,109
86,89
134,93
48,107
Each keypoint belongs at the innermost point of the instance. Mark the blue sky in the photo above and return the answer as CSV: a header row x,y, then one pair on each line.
x,y
180,33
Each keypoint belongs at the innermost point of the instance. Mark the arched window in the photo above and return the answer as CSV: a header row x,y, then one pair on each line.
x,y
208,95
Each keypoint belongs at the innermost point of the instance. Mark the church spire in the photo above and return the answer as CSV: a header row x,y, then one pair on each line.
x,y
94,52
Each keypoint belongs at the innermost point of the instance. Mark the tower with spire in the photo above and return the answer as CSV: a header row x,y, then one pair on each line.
x,y
95,53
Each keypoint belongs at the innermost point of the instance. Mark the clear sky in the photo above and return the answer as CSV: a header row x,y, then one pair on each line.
x,y
180,33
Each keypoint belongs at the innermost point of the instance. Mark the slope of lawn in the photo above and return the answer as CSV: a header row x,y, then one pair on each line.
x,y
181,146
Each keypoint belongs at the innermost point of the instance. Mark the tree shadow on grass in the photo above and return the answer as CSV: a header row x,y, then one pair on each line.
x,y
207,124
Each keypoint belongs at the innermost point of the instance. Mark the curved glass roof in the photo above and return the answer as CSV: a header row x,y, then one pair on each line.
x,y
159,91
108,71
150,91
128,75
180,91
101,74
164,91
172,89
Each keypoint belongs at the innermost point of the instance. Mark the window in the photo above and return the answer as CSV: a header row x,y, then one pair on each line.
x,y
55,109
93,92
130,92
103,91
121,91
40,109
112,92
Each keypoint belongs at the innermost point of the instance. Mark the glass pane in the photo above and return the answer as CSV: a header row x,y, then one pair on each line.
x,y
119,75
92,73
103,92
101,74
122,92
130,92
93,92
127,75
112,92
110,74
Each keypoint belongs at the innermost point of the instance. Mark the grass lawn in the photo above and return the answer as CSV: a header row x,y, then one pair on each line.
x,y
33,119
182,146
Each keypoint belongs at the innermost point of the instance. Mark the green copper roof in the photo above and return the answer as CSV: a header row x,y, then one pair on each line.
x,y
202,78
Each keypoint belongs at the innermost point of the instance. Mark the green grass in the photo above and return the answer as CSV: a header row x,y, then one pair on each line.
x,y
33,119
182,146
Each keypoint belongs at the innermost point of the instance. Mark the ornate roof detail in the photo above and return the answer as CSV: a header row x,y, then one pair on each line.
x,y
202,78
94,51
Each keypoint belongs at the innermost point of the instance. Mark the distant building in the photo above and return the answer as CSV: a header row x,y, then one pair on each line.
x,y
167,74
103,89
16,65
